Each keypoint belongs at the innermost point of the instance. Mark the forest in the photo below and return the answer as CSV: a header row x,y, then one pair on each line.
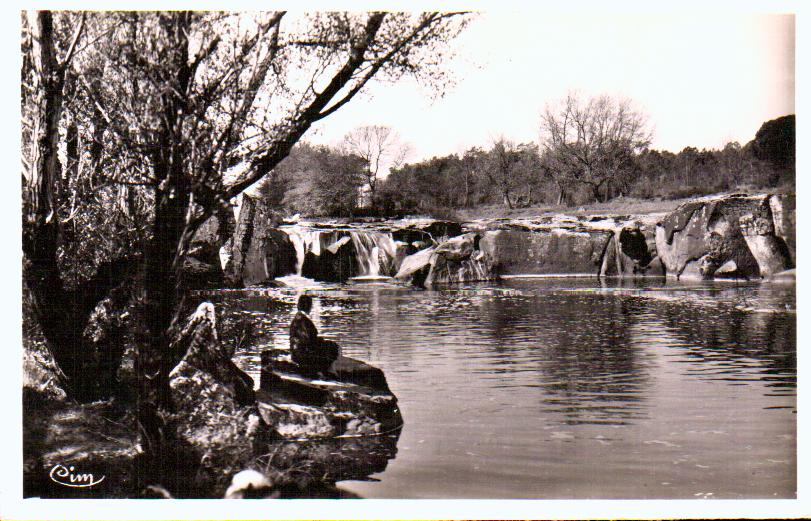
x,y
560,171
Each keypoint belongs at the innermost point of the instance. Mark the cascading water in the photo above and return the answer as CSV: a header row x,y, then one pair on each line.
x,y
304,241
375,251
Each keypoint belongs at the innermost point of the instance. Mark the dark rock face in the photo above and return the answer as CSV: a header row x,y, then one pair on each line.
x,y
200,274
459,259
353,398
784,214
337,260
202,267
259,252
732,236
627,255
441,231
433,232
547,251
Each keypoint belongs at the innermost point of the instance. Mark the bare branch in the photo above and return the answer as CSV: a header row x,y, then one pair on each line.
x,y
69,54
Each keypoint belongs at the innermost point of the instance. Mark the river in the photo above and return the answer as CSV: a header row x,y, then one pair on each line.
x,y
569,387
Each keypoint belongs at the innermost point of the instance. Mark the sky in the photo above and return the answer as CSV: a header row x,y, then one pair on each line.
x,y
703,79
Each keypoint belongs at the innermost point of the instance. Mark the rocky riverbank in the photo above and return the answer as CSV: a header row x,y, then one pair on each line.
x,y
730,236
296,436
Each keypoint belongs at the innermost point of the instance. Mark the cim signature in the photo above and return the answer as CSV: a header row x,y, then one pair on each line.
x,y
65,476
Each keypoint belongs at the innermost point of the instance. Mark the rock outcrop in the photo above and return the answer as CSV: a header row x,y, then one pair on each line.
x,y
259,251
459,259
353,399
730,236
415,267
736,236
517,251
216,417
428,232
203,267
628,255
334,260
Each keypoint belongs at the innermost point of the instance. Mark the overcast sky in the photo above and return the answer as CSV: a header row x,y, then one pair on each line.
x,y
703,79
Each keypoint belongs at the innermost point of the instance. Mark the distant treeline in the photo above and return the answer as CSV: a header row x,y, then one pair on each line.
x,y
319,180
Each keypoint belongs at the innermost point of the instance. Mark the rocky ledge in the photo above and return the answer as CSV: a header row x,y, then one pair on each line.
x,y
301,431
352,399
729,236
735,236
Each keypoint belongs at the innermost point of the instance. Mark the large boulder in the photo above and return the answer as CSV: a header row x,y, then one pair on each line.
x,y
216,420
517,251
415,267
628,255
459,259
335,259
730,236
203,267
259,252
353,398
785,220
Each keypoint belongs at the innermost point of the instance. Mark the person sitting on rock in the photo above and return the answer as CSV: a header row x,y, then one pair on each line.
x,y
307,349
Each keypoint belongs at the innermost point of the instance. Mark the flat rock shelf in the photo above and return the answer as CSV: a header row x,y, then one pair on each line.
x,y
351,399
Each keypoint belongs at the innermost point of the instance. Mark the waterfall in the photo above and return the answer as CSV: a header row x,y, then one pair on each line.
x,y
374,249
304,241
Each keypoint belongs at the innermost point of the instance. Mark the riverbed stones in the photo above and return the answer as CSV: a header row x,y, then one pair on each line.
x,y
700,237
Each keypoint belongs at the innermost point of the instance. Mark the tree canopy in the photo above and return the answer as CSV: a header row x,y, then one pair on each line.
x,y
593,142
138,126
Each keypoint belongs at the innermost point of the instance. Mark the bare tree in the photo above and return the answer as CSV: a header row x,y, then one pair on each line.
x,y
62,312
593,142
378,146
185,110
511,166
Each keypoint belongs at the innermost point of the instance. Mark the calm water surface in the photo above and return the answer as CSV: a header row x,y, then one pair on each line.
x,y
569,388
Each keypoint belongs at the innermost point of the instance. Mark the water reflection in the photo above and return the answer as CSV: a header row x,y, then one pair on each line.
x,y
669,389
589,372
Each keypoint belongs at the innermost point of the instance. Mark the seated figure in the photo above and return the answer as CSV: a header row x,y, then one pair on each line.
x,y
307,349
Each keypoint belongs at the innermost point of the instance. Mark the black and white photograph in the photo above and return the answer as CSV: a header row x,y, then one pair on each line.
x,y
538,253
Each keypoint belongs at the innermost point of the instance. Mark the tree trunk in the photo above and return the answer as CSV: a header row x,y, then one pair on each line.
x,y
40,225
595,192
160,299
